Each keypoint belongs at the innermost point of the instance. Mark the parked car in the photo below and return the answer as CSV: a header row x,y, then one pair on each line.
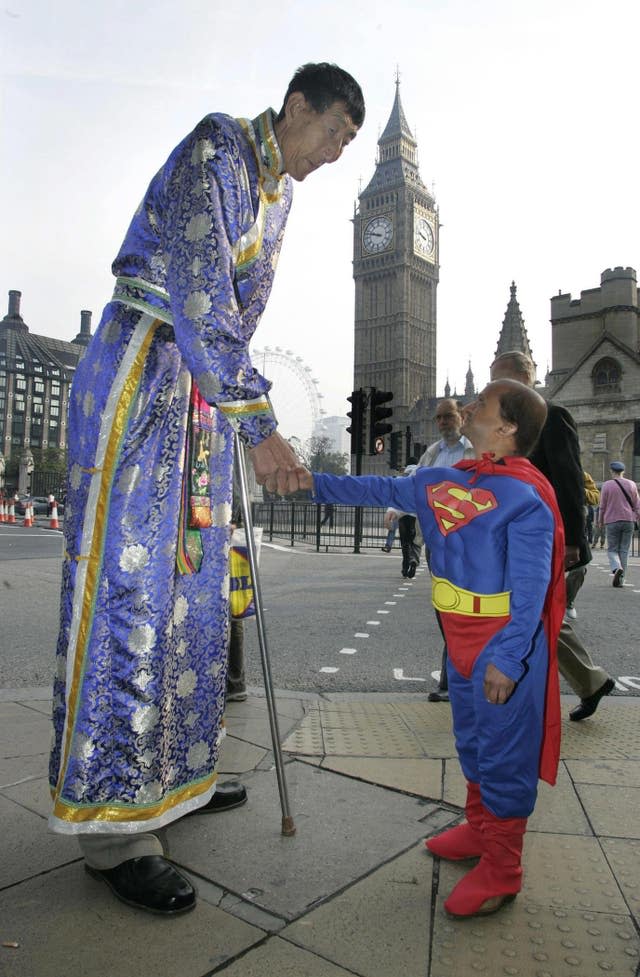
x,y
40,505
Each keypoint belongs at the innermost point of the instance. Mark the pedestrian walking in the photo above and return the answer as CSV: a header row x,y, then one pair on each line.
x,y
619,510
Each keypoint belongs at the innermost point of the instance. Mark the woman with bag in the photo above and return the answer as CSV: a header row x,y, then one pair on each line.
x,y
619,508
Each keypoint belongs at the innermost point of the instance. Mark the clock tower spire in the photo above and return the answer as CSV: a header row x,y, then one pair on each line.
x,y
395,268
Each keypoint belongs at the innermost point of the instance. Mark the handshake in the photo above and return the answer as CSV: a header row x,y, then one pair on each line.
x,y
277,466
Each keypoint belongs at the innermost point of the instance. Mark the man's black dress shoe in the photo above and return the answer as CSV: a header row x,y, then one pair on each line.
x,y
149,882
227,796
411,570
442,696
588,706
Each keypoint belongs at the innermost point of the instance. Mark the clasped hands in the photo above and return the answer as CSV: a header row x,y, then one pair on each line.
x,y
277,466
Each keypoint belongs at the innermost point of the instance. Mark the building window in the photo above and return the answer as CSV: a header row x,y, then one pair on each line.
x,y
599,442
21,383
38,387
606,376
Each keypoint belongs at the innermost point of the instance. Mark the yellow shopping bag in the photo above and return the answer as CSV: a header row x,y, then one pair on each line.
x,y
241,597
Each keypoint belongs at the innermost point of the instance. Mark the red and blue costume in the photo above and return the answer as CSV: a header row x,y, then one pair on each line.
x,y
496,548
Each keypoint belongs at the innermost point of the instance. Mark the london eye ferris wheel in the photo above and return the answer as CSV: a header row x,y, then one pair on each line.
x,y
295,394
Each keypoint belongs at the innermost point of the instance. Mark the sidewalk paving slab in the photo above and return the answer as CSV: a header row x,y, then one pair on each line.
x,y
353,892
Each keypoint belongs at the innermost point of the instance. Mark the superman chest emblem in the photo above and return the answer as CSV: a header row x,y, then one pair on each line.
x,y
454,506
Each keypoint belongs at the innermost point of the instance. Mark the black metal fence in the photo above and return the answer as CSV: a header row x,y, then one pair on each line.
x,y
337,527
45,483
325,527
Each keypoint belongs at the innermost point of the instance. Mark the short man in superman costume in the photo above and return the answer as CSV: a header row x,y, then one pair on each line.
x,y
496,542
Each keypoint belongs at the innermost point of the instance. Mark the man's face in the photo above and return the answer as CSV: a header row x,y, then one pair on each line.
x,y
312,138
481,420
449,421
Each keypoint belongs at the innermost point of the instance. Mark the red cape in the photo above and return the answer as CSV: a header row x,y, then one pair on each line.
x,y
555,601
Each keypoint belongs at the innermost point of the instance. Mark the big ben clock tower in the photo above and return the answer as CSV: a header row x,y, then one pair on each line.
x,y
395,268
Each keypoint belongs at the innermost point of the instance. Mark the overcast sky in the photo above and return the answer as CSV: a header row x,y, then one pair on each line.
x,y
525,116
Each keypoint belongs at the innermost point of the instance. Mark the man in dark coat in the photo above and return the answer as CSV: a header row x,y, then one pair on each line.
x,y
557,455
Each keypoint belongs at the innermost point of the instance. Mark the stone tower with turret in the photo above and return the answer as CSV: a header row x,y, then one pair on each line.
x,y
513,334
395,268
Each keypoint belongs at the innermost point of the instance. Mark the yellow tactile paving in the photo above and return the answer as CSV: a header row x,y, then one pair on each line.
x,y
569,872
307,738
372,739
613,732
624,858
367,729
534,941
612,813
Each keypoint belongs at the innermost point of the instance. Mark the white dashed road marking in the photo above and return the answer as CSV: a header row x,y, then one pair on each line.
x,y
398,674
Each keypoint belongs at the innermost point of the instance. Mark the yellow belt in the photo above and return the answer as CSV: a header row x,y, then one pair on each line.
x,y
447,597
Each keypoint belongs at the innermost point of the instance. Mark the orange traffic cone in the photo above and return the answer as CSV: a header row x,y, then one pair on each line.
x,y
28,514
53,519
12,511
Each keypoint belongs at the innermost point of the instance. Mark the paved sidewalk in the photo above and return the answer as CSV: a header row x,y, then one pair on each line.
x,y
353,892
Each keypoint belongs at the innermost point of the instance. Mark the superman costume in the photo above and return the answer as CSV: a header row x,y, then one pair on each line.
x,y
496,543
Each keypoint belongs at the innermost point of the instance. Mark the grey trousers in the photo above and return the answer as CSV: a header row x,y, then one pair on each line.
x,y
576,666
107,851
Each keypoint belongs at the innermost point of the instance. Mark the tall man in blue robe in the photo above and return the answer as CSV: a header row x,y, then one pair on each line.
x,y
140,686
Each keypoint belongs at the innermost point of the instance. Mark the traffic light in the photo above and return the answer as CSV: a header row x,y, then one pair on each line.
x,y
356,428
378,426
395,451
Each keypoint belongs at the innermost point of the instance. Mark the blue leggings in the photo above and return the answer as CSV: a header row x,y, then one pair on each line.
x,y
499,745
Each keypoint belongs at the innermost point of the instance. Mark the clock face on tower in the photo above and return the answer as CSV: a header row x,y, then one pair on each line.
x,y
423,237
377,235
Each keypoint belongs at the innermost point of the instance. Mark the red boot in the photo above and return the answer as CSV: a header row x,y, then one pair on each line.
x,y
497,877
465,840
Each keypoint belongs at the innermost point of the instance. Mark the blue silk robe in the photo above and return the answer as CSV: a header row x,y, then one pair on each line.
x,y
141,661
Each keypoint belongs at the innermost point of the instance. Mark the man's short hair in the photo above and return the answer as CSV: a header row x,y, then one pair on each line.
x,y
322,85
448,402
524,407
522,364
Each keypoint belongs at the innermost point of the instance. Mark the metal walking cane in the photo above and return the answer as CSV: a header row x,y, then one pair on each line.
x,y
288,827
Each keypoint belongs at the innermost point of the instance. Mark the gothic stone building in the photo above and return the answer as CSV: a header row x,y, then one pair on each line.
x,y
596,369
